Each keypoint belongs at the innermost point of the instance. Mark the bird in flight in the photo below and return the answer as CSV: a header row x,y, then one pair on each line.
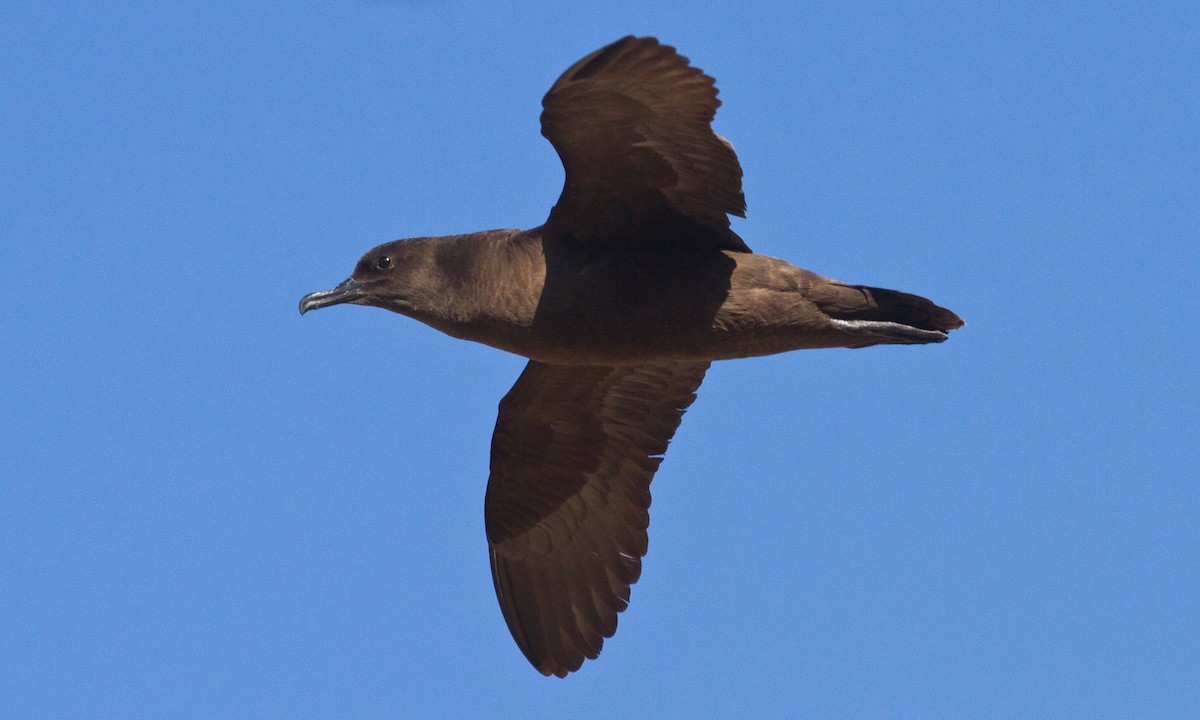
x,y
620,300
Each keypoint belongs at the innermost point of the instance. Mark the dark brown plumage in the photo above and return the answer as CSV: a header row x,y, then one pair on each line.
x,y
621,300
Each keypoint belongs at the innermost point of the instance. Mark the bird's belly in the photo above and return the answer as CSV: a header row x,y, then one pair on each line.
x,y
682,307
683,332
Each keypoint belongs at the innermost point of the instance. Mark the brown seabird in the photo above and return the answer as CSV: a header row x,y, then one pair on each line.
x,y
633,285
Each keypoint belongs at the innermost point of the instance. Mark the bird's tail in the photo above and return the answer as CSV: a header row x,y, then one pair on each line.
x,y
881,316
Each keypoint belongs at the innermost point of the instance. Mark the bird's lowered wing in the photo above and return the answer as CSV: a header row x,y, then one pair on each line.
x,y
632,125
568,499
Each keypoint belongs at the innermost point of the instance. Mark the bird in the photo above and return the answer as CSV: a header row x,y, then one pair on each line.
x,y
620,301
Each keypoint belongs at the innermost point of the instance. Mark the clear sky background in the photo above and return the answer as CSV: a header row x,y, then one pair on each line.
x,y
211,507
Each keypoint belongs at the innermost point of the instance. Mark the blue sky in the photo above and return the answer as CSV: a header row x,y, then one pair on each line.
x,y
211,507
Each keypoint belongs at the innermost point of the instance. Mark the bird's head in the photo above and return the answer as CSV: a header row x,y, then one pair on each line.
x,y
384,277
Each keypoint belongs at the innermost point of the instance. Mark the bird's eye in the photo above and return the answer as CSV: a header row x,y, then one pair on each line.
x,y
384,262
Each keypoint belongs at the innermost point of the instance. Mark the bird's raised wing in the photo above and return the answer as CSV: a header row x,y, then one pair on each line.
x,y
568,500
632,125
